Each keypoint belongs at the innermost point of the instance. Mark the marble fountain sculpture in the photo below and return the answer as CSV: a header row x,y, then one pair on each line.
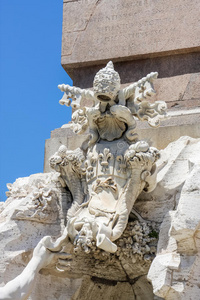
x,y
111,169
104,235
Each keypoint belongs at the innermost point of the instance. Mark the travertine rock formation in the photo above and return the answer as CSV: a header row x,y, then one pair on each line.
x,y
175,272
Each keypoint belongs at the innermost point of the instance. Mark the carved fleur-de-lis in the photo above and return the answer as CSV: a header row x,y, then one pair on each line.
x,y
122,164
89,164
104,158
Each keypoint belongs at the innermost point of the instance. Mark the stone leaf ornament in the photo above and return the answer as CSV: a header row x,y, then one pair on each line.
x,y
106,176
37,198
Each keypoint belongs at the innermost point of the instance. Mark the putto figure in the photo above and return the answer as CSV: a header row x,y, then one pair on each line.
x,y
106,175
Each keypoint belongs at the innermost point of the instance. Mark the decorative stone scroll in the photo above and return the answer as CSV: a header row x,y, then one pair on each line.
x,y
110,170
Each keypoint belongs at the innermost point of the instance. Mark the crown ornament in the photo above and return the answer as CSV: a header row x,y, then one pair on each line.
x,y
106,84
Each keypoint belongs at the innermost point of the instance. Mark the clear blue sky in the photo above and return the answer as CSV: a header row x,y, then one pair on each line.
x,y
30,70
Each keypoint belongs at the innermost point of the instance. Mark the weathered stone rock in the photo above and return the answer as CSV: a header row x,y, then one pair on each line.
x,y
174,272
36,207
94,288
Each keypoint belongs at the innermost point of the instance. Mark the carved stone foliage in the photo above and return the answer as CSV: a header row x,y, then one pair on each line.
x,y
138,242
135,252
38,198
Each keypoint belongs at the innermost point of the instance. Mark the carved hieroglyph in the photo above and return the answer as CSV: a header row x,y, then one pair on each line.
x,y
109,171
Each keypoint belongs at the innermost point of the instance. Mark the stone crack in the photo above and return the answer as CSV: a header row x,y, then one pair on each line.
x,y
86,25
